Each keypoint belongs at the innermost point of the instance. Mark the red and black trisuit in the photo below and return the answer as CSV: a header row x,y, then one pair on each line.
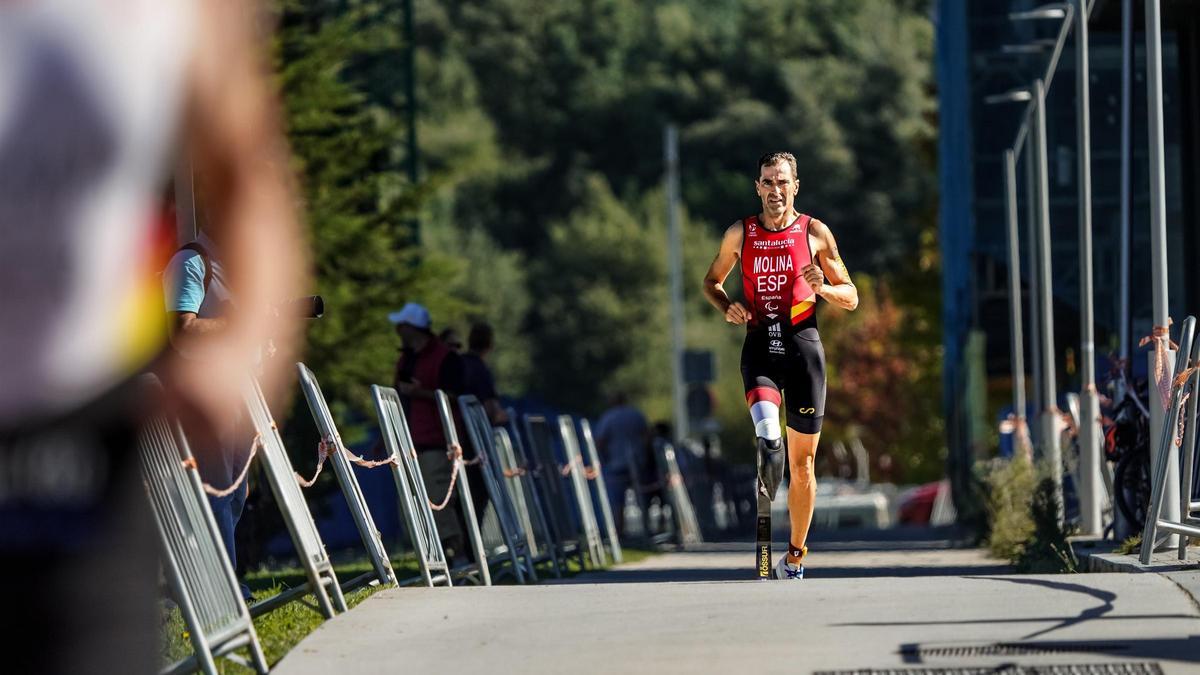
x,y
782,351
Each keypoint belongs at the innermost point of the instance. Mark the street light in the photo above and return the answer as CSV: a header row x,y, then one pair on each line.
x,y
1158,259
1089,400
1016,334
1033,133
1073,14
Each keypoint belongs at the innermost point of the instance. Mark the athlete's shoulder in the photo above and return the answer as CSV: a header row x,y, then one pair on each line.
x,y
817,227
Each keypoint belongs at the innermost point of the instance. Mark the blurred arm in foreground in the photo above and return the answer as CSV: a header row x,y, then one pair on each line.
x,y
233,135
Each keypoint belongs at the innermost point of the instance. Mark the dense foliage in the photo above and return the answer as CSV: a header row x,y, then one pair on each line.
x,y
540,207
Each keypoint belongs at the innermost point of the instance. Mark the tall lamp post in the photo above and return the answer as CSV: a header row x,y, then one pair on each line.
x,y
1016,334
1033,133
1049,420
1158,257
1089,402
1089,486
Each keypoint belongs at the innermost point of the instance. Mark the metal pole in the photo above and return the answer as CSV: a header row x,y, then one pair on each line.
x,y
675,263
1089,402
1122,528
1035,284
1123,311
1049,422
1020,433
1158,244
410,99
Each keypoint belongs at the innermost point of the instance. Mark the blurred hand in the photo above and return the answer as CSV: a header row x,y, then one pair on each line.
x,y
737,314
206,396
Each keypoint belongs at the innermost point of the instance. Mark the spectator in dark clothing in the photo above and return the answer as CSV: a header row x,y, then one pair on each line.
x,y
478,382
426,364
477,376
622,437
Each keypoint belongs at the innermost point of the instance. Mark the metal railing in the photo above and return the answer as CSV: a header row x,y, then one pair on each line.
x,y
509,539
464,491
526,499
195,562
574,469
1183,388
600,494
562,519
322,581
410,488
381,572
688,527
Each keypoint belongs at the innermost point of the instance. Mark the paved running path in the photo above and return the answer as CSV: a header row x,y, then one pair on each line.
x,y
865,605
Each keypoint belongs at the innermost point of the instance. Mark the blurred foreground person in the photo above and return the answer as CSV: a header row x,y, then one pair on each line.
x,y
92,99
785,259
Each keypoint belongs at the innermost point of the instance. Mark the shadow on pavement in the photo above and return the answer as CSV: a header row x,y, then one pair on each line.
x,y
1105,597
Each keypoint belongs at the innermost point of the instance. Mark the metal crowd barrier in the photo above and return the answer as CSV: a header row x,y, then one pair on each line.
x,y
382,572
509,539
583,500
196,564
1188,525
410,488
482,566
525,498
496,535
322,582
688,527
560,517
601,492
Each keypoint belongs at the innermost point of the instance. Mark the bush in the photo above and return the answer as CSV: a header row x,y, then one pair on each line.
x,y
1047,550
1023,515
1010,493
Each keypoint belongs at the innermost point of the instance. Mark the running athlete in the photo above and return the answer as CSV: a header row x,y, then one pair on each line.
x,y
788,260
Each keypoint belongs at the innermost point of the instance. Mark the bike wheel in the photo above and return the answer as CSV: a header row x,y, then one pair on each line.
x,y
1131,483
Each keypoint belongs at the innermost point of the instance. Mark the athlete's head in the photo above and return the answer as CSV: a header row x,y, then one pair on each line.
x,y
776,183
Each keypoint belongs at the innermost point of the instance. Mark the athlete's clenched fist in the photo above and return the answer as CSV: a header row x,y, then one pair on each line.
x,y
737,313
814,277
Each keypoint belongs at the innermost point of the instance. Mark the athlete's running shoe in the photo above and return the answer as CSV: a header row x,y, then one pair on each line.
x,y
786,571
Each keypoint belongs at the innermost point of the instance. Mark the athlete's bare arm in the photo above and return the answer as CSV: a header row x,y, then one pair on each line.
x,y
714,288
830,279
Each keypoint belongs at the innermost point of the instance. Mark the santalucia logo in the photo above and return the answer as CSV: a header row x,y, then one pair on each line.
x,y
807,411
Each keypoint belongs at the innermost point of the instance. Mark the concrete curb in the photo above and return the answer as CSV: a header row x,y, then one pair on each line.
x,y
1096,555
